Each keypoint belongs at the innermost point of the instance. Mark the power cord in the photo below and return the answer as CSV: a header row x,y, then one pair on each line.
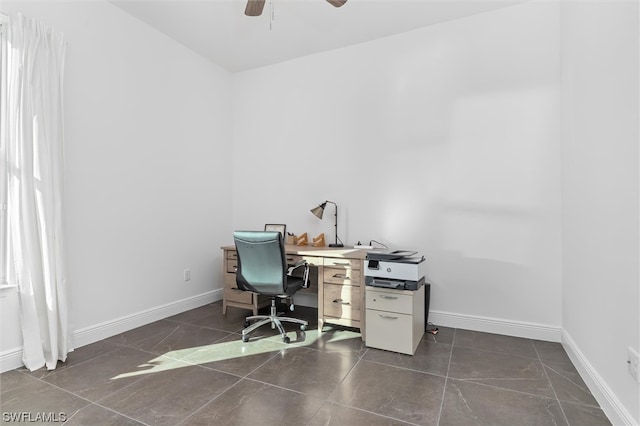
x,y
431,328
379,243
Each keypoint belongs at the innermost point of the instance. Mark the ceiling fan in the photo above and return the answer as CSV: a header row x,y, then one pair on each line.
x,y
254,7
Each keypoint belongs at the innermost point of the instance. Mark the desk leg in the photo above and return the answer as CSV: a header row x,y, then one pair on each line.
x,y
320,298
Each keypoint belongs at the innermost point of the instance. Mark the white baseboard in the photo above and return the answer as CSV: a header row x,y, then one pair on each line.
x,y
610,404
497,326
12,358
107,329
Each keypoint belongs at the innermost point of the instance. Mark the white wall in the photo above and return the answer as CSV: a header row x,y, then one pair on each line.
x,y
443,140
600,188
147,170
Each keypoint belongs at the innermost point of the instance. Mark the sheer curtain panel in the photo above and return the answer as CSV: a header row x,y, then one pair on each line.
x,y
33,143
4,239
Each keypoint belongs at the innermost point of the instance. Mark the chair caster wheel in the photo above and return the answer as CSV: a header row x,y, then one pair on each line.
x,y
245,339
286,339
303,327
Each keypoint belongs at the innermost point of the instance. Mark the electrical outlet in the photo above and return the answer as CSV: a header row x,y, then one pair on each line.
x,y
632,363
187,275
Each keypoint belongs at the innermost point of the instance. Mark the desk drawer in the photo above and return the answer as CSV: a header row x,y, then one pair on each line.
x,y
232,254
232,266
341,263
389,301
295,258
341,276
389,331
292,258
342,301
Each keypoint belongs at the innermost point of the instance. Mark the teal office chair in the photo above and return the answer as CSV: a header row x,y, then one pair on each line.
x,y
263,269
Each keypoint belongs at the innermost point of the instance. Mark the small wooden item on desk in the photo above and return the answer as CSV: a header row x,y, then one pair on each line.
x,y
302,240
319,241
291,239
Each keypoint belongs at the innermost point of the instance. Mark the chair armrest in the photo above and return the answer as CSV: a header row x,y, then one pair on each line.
x,y
295,266
305,274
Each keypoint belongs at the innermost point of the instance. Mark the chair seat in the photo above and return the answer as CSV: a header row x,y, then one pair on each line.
x,y
293,285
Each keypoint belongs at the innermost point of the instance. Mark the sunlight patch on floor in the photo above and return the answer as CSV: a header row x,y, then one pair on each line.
x,y
228,350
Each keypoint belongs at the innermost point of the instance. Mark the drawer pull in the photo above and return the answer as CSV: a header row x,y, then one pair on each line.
x,y
341,263
341,302
387,316
343,276
384,296
289,259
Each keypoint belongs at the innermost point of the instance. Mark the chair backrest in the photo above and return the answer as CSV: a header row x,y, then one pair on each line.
x,y
262,265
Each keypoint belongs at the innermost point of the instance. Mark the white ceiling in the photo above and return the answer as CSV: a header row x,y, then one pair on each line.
x,y
219,30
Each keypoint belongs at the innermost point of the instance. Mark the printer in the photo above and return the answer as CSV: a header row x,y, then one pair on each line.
x,y
398,269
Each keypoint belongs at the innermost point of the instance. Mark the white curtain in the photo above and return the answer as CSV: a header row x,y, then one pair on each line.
x,y
34,166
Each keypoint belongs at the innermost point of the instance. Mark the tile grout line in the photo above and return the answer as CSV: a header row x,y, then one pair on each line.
x,y
89,401
406,368
568,380
197,410
245,377
544,370
369,412
111,410
446,378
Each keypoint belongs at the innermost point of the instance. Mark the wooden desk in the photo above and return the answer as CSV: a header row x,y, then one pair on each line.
x,y
340,287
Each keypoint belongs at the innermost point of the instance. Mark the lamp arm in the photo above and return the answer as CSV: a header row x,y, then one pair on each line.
x,y
336,224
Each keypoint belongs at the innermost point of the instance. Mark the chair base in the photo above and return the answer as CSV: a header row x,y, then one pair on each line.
x,y
275,320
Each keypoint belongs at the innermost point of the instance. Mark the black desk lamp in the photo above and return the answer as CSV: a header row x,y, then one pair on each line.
x,y
319,211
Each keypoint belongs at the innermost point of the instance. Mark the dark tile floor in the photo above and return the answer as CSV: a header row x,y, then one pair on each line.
x,y
193,369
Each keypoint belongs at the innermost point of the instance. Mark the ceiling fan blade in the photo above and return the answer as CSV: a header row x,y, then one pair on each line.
x,y
254,7
337,3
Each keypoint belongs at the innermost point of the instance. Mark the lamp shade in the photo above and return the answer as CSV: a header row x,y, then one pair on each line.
x,y
319,211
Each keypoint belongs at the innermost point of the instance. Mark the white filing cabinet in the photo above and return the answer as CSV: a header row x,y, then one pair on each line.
x,y
394,319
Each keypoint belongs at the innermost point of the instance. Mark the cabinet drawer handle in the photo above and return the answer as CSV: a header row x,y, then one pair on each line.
x,y
341,302
384,296
289,259
343,276
387,316
341,263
